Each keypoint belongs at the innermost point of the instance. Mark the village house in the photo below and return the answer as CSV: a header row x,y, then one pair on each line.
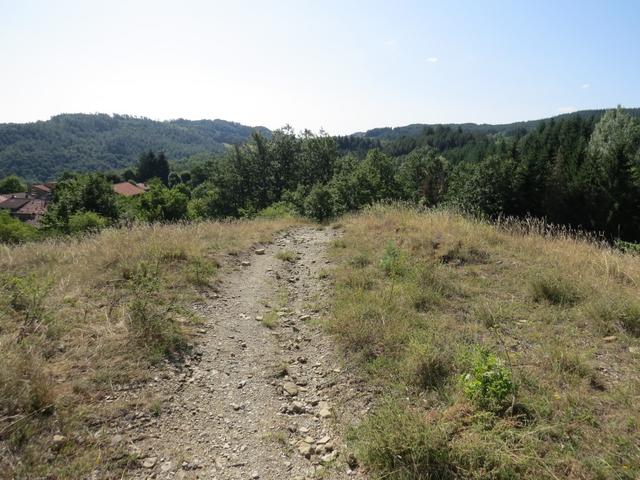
x,y
129,189
28,206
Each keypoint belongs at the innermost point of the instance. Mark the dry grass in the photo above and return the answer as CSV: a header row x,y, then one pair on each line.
x,y
80,317
556,315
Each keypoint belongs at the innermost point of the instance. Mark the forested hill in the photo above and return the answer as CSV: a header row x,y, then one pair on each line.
x,y
509,129
99,142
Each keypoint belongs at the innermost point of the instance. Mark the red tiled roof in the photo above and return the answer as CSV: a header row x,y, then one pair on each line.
x,y
128,189
33,207
14,204
42,187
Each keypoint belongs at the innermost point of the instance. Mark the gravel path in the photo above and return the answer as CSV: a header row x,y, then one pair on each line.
x,y
259,402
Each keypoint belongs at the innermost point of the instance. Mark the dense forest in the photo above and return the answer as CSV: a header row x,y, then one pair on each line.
x,y
81,142
579,170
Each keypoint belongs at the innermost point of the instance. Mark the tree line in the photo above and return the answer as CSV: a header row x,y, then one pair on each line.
x,y
578,171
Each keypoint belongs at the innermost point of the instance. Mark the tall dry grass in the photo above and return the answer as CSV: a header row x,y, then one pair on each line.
x,y
81,316
507,351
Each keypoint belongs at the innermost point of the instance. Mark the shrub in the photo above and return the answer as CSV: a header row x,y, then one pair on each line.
x,y
319,203
278,210
86,222
394,262
149,319
489,383
554,289
15,231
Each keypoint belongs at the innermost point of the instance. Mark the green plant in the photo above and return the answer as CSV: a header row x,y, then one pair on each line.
x,y
28,295
554,289
270,320
361,260
394,262
488,384
396,442
149,318
86,222
200,270
287,256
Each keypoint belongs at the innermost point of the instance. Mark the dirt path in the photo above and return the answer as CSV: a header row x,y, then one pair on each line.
x,y
260,402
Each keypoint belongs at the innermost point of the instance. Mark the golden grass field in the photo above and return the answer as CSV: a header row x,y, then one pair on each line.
x,y
81,316
504,353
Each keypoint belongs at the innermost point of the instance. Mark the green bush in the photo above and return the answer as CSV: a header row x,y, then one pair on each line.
x,y
319,204
278,210
489,383
86,222
15,231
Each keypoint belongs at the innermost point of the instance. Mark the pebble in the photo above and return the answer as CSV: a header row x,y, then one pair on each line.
x,y
149,462
290,388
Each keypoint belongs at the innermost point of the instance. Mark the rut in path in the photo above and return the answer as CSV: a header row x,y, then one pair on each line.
x,y
260,402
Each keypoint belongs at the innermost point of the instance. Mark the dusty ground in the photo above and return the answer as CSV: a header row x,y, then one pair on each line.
x,y
256,402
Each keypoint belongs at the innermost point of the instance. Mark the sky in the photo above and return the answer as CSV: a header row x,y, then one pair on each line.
x,y
342,66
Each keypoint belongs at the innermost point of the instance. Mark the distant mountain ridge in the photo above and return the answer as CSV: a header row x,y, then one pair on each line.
x,y
43,150
88,142
414,129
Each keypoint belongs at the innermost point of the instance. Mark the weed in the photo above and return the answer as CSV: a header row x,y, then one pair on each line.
x,y
200,271
396,442
617,310
554,289
287,256
489,383
339,243
28,295
270,320
429,365
394,262
361,260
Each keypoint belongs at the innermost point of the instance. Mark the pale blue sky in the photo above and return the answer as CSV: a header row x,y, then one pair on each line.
x,y
340,65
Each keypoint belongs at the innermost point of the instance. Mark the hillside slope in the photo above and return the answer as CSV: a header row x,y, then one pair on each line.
x,y
503,352
92,142
416,129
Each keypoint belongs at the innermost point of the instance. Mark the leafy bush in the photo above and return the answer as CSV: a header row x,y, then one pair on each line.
x,y
319,203
278,210
489,383
15,231
86,222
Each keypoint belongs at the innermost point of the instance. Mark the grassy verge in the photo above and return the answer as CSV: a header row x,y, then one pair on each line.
x,y
503,354
79,318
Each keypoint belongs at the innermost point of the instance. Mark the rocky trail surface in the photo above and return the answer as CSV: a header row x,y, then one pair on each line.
x,y
266,395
